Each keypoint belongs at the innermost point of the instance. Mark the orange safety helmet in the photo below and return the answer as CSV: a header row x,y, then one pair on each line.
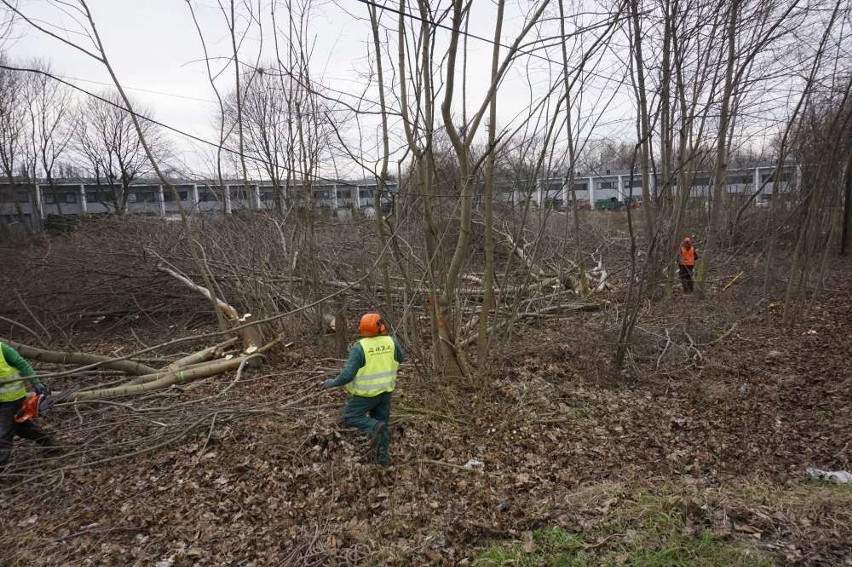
x,y
372,324
687,240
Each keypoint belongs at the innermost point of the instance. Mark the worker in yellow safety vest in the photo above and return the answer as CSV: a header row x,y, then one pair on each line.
x,y
13,370
369,375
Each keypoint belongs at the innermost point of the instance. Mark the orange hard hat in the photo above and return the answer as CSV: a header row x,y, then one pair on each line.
x,y
372,324
687,240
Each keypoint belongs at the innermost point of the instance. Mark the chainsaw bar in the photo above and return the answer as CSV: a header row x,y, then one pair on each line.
x,y
53,399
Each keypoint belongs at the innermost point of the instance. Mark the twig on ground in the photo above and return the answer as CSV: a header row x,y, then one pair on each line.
x,y
28,310
665,348
27,329
449,465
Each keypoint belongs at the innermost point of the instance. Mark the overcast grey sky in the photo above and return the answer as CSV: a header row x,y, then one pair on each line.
x,y
155,50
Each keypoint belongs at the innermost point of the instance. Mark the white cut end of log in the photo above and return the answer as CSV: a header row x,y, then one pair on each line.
x,y
251,349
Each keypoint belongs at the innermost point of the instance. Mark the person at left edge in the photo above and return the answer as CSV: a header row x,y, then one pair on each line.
x,y
13,370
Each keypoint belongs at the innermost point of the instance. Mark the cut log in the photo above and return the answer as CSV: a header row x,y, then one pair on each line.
x,y
192,360
163,379
251,335
202,355
80,358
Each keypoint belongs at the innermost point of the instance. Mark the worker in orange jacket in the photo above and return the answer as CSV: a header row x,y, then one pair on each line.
x,y
686,257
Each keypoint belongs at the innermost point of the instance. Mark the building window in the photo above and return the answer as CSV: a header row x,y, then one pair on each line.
x,y
740,180
168,197
770,177
365,193
606,185
143,197
70,197
344,193
95,196
23,197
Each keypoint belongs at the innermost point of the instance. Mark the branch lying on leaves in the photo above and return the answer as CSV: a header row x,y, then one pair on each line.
x,y
57,357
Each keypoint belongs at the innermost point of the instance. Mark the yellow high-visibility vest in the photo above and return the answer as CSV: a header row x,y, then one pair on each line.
x,y
10,391
378,375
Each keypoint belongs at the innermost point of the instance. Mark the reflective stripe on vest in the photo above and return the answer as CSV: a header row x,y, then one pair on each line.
x,y
10,390
378,375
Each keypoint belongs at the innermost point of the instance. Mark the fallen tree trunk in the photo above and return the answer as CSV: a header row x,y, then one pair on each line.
x,y
192,360
170,375
57,357
537,313
251,335
558,308
202,355
163,379
519,251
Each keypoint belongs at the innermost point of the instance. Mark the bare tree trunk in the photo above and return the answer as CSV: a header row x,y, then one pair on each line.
x,y
453,361
383,172
232,24
483,341
720,173
34,353
572,155
633,298
847,205
644,122
102,57
424,162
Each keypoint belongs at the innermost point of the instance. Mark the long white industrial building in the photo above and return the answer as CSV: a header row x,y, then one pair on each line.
x,y
28,202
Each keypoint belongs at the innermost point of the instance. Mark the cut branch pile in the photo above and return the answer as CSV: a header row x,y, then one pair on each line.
x,y
128,377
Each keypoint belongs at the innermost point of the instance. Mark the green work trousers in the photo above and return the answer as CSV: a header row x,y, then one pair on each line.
x,y
366,414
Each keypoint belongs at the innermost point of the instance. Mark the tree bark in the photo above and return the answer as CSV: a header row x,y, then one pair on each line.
x,y
43,355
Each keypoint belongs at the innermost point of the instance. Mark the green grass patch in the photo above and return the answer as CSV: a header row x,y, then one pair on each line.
x,y
694,551
672,526
554,547
550,546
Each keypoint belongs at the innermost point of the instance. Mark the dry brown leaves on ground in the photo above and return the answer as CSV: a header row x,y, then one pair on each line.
x,y
268,476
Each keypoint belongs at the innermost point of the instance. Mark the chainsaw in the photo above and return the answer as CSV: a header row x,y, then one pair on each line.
x,y
37,403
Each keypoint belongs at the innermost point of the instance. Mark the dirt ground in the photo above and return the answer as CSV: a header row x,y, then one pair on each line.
x,y
709,432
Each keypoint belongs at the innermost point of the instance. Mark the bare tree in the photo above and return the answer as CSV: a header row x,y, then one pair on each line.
x,y
452,363
644,119
108,145
7,24
268,119
265,123
15,156
51,126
